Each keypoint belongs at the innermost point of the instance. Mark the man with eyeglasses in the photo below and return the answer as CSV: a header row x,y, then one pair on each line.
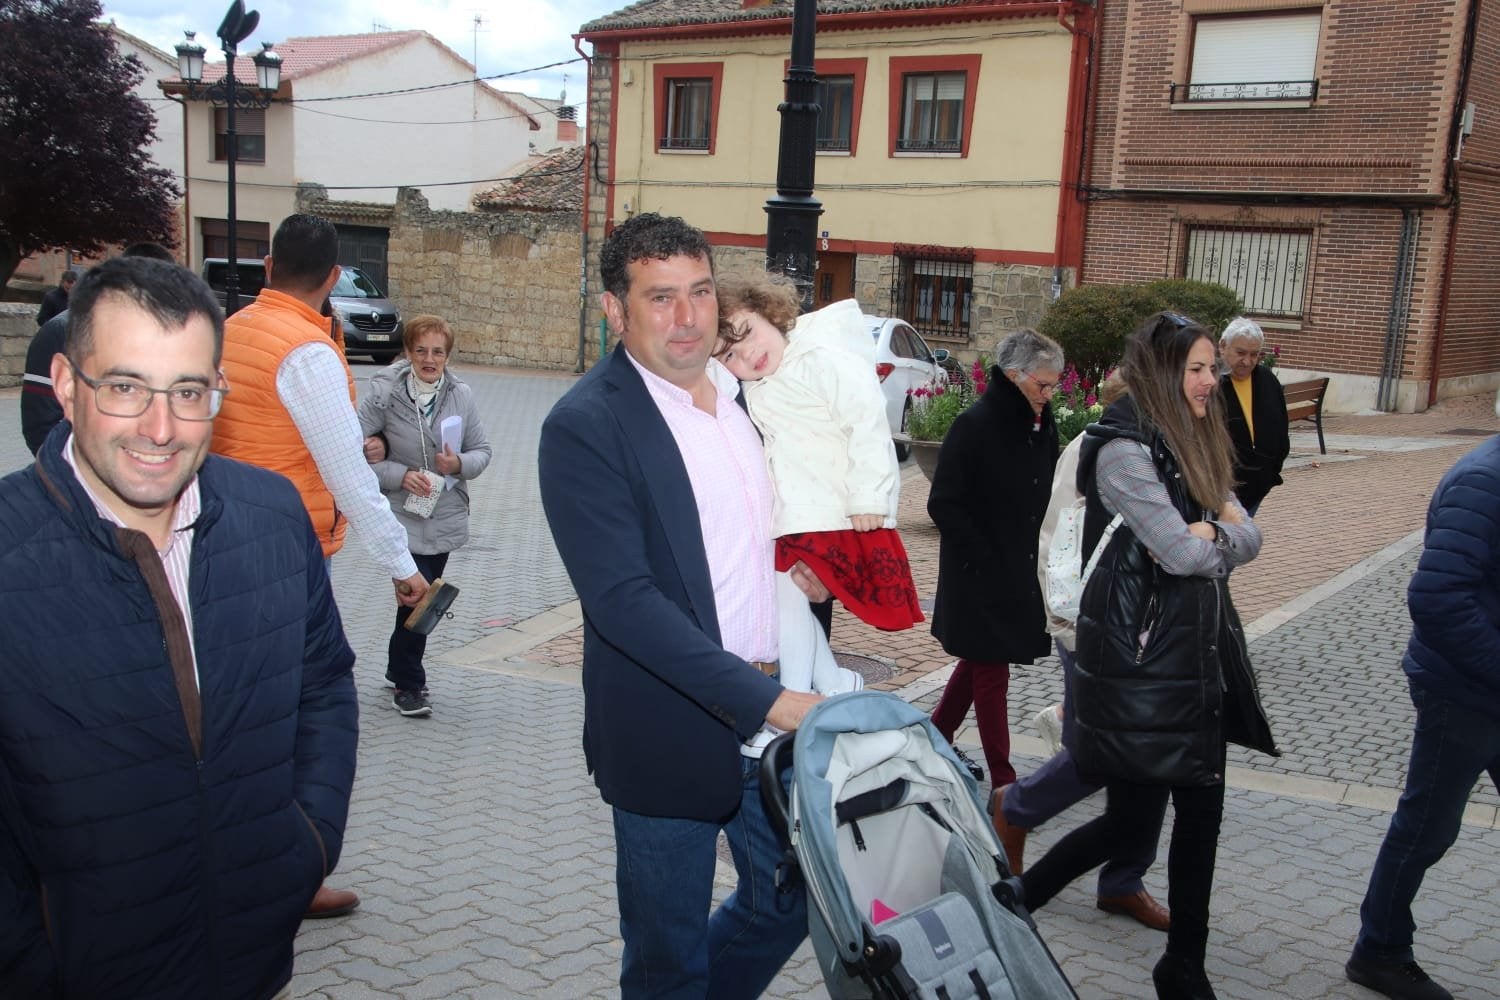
x,y
293,413
178,731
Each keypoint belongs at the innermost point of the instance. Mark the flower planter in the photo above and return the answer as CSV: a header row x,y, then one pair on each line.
x,y
925,453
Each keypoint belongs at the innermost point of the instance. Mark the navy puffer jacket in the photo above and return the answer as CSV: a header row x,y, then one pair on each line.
x,y
1454,596
155,842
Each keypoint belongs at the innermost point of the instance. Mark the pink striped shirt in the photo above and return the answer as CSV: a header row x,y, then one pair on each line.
x,y
732,489
179,552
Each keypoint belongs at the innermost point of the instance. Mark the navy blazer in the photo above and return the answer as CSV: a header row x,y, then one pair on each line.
x,y
665,706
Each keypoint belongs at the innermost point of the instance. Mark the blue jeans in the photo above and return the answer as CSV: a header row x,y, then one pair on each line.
x,y
1452,745
664,872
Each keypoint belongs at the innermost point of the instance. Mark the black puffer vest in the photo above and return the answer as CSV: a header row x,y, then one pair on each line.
x,y
1163,677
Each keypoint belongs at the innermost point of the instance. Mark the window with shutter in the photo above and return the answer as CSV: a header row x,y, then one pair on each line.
x,y
249,129
1263,57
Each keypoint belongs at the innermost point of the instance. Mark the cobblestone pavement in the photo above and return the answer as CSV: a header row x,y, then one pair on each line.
x,y
484,856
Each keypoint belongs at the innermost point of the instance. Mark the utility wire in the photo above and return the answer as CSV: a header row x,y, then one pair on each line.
x,y
436,86
382,187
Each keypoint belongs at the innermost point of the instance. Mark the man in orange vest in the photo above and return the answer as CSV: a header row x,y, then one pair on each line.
x,y
290,409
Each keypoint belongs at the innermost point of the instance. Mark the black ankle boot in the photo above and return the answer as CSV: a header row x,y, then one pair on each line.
x,y
1181,979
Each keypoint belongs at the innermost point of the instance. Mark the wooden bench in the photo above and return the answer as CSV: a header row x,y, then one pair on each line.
x,y
1304,401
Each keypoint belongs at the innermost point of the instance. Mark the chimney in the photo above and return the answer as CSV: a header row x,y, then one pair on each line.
x,y
567,125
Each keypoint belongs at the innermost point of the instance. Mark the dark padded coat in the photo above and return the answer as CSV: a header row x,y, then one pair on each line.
x,y
990,490
1454,596
1257,465
154,842
1158,712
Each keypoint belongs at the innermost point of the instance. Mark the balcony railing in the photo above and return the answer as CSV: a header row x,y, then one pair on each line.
x,y
904,145
1279,90
683,142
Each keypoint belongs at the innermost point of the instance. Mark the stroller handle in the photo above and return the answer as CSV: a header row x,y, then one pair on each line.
x,y
776,758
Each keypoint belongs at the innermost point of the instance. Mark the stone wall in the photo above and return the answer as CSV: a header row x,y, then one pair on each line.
x,y
507,282
17,326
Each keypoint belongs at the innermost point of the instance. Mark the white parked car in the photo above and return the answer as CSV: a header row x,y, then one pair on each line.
x,y
903,363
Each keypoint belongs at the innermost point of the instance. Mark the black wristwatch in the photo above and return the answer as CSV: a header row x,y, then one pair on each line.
x,y
1221,540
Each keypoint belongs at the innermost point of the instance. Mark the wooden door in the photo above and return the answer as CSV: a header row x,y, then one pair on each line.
x,y
834,279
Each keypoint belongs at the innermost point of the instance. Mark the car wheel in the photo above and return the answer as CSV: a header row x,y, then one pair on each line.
x,y
902,450
383,357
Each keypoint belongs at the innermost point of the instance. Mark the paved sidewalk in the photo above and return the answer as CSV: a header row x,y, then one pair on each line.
x,y
484,856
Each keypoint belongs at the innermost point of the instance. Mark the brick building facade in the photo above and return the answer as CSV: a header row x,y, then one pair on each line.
x,y
1318,158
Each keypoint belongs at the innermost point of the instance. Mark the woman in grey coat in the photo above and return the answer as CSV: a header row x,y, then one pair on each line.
x,y
407,404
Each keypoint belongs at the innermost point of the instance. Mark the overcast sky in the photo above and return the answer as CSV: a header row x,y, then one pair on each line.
x,y
511,38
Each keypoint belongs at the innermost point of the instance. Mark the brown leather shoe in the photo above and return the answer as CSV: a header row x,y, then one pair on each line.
x,y
330,903
1140,907
1012,838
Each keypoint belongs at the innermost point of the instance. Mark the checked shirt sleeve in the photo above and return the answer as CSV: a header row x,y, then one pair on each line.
x,y
312,386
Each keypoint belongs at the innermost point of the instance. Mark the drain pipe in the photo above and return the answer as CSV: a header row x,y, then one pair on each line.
x,y
583,254
1387,393
1456,135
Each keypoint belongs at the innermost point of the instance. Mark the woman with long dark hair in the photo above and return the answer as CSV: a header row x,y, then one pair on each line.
x,y
1163,678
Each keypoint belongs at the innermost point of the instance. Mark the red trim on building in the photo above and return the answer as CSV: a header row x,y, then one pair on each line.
x,y
610,52
855,21
900,66
662,72
1071,209
856,68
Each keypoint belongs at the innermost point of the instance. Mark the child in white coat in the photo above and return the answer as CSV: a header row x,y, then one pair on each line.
x,y
810,386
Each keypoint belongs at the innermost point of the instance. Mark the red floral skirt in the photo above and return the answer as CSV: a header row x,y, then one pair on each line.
x,y
866,570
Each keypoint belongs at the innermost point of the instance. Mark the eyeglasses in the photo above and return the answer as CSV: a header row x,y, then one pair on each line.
x,y
131,399
435,353
1041,386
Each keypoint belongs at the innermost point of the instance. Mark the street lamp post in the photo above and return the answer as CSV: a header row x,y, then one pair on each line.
x,y
792,214
238,24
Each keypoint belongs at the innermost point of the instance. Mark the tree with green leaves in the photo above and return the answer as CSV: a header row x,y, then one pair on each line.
x,y
75,166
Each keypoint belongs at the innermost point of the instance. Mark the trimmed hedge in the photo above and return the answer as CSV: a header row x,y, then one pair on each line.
x,y
1091,322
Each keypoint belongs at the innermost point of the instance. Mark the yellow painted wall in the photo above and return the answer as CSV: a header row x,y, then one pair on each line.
x,y
1002,196
264,192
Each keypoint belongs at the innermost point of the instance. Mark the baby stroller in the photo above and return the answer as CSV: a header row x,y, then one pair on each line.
x,y
907,890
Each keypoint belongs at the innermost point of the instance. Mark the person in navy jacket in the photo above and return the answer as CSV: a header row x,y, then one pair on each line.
x,y
657,495
178,719
1452,665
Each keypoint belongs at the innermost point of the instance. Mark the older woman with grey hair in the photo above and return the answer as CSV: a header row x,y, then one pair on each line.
x,y
1255,408
989,492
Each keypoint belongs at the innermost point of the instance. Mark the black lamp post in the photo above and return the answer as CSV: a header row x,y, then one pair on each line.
x,y
792,215
237,26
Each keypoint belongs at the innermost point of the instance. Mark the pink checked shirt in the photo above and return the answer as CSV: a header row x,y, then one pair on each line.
x,y
732,489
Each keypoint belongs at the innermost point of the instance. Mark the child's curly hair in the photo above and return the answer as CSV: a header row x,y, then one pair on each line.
x,y
772,296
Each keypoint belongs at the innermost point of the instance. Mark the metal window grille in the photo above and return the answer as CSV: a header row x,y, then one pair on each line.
x,y
934,290
835,112
932,113
1267,268
1279,90
689,105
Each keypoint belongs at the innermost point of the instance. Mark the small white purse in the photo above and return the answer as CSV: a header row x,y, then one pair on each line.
x,y
423,506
